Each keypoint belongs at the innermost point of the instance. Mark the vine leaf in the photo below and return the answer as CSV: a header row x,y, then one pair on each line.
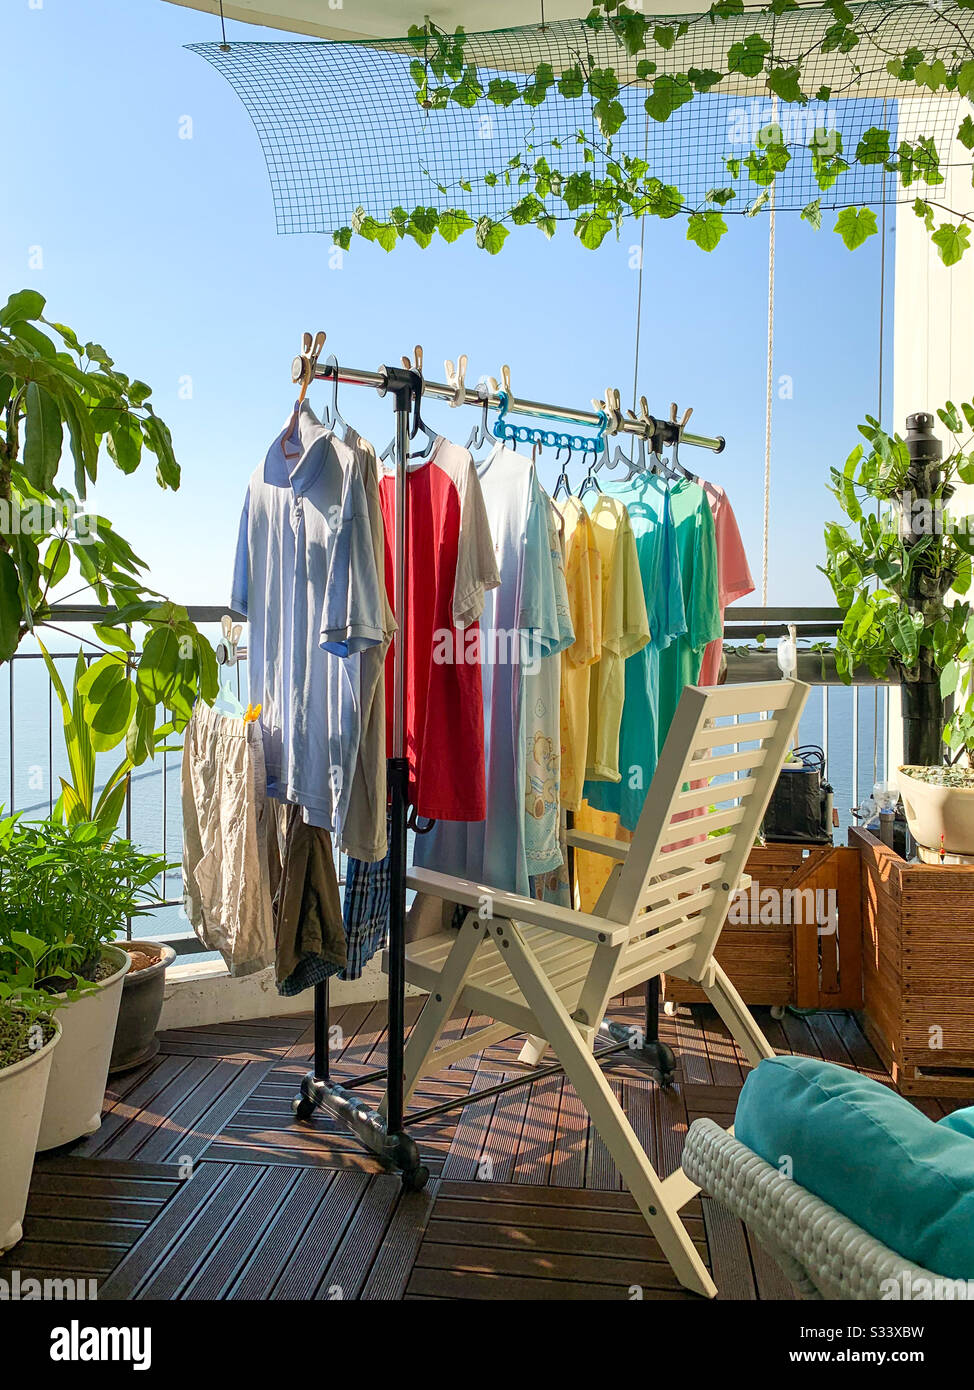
x,y
855,225
951,241
706,229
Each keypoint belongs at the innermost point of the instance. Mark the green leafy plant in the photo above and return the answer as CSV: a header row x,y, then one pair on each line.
x,y
900,570
445,74
96,718
25,1010
65,892
61,401
25,1023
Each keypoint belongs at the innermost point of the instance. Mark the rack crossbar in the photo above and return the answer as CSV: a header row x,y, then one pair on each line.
x,y
354,376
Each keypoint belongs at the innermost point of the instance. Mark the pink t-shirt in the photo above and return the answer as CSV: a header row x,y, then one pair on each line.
x,y
733,575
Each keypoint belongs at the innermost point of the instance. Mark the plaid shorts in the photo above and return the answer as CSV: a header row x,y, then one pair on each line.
x,y
365,912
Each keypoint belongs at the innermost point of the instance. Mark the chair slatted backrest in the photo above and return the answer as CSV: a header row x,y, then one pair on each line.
x,y
674,895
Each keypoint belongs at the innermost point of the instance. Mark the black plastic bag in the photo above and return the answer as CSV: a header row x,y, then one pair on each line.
x,y
800,809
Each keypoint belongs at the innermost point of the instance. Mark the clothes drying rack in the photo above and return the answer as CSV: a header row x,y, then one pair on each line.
x,y
384,1132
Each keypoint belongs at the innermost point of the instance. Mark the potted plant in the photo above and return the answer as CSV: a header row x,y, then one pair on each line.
x,y
29,1034
901,572
143,992
68,892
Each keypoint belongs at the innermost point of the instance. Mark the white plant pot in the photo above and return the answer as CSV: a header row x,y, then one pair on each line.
x,y
80,1069
22,1090
939,817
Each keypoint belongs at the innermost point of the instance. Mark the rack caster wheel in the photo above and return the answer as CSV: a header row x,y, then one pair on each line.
x,y
302,1107
415,1179
777,1011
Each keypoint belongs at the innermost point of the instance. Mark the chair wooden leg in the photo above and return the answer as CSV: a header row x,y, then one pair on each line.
x,y
533,1050
737,1016
607,1115
439,1006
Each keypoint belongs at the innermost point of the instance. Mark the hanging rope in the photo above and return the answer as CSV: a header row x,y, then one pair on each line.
x,y
879,417
770,384
639,295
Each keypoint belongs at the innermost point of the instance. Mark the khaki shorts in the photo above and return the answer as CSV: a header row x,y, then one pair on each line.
x,y
225,818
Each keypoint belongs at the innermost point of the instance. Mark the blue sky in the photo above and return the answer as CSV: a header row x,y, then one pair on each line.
x,y
164,250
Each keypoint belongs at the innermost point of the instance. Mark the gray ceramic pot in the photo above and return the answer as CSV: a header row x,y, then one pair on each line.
x,y
138,1014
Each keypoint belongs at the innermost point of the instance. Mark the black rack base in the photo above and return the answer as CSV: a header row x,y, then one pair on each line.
x,y
659,1058
396,1151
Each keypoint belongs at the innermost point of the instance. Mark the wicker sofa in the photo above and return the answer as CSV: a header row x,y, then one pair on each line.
x,y
822,1252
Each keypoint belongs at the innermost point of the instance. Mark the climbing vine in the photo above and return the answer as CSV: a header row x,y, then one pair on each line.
x,y
617,184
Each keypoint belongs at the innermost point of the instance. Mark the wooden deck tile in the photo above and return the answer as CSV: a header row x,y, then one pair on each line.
x,y
83,1215
524,1200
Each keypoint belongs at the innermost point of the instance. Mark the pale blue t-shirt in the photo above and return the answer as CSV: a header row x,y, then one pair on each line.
x,y
542,714
305,578
519,627
648,503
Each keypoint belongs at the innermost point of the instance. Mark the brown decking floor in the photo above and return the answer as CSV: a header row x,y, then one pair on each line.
x,y
200,1183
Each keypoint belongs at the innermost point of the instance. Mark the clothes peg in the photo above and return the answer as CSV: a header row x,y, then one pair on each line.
x,y
682,424
303,366
455,378
226,648
502,429
613,409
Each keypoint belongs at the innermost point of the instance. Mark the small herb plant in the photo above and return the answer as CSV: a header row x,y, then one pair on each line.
x,y
65,892
25,1026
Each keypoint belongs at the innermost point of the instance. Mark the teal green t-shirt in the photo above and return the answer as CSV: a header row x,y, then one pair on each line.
x,y
697,549
648,503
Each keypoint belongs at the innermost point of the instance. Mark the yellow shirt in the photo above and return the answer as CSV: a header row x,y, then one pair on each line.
x,y
625,630
592,870
583,576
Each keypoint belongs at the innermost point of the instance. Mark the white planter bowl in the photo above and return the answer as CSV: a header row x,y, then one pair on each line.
x,y
933,811
80,1069
22,1090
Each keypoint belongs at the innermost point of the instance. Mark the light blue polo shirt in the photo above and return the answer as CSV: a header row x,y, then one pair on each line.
x,y
305,578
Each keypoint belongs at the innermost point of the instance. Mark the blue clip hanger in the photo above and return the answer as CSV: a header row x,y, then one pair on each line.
x,y
554,439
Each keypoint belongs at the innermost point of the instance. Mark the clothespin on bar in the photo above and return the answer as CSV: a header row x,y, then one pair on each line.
x,y
416,364
682,424
613,409
226,648
455,377
303,366
644,418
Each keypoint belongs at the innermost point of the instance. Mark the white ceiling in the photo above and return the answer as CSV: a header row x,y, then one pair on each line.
x,y
390,19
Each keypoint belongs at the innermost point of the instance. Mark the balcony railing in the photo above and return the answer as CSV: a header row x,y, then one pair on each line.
x,y
850,723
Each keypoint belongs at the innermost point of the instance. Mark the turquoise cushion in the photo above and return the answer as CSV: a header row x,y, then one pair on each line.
x,y
870,1154
962,1121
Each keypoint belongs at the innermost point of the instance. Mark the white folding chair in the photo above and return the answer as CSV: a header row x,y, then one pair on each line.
x,y
550,971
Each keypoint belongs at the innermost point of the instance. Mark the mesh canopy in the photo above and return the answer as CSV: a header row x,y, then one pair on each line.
x,y
341,127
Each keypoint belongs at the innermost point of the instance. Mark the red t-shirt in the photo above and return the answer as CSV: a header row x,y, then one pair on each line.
x,y
450,565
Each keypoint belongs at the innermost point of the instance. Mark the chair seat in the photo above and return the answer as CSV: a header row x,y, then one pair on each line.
x,y
490,987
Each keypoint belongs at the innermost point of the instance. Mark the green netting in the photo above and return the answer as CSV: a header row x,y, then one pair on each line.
x,y
341,127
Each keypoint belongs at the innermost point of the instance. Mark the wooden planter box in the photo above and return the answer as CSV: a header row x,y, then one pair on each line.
x,y
789,960
918,969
